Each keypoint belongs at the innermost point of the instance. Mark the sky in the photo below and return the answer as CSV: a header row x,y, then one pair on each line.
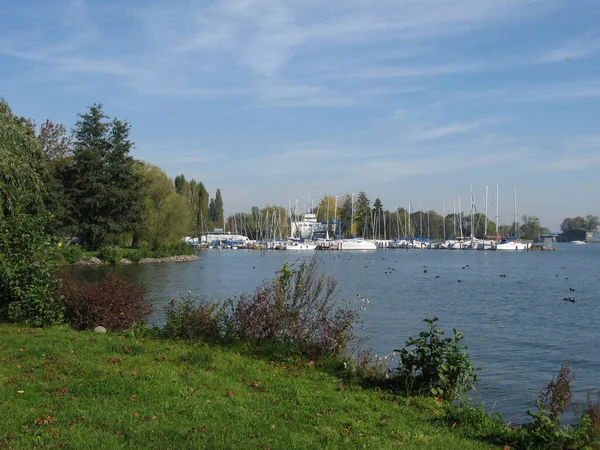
x,y
281,101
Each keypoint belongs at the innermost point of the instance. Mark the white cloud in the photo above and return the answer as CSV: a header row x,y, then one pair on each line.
x,y
454,128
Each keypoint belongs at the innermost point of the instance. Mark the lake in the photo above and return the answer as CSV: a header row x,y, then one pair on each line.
x,y
510,305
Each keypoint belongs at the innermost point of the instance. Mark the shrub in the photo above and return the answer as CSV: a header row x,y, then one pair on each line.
x,y
111,254
72,254
193,319
299,308
27,265
436,365
114,303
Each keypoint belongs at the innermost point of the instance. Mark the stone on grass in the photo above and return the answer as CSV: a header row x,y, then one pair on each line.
x,y
100,329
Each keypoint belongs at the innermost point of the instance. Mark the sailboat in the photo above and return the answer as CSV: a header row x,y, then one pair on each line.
x,y
513,243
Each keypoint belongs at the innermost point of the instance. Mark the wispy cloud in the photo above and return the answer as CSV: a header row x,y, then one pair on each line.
x,y
454,128
583,46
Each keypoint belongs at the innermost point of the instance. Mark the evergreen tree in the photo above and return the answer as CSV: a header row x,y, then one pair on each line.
x,y
212,211
105,187
362,214
179,183
219,215
345,214
202,200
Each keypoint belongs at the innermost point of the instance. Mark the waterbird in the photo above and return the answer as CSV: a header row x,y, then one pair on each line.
x,y
571,289
460,281
425,271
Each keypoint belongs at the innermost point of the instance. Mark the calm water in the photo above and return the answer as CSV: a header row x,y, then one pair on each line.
x,y
518,328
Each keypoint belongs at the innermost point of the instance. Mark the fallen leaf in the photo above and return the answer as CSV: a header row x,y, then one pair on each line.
x,y
133,396
231,394
341,387
134,372
46,420
255,384
310,363
63,389
126,350
150,418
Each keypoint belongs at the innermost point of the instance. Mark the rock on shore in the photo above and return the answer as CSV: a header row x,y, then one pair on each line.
x,y
93,261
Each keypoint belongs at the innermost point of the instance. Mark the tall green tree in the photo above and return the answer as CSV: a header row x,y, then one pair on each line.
x,y
26,265
345,215
106,189
531,228
362,214
166,215
219,213
21,163
202,217
573,223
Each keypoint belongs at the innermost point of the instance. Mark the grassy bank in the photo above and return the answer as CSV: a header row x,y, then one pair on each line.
x,y
67,389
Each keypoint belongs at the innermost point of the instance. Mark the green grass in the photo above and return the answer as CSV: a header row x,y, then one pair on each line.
x,y
67,389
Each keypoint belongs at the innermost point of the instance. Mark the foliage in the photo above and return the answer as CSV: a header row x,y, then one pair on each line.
x,y
55,141
589,223
21,163
531,228
71,253
114,303
436,365
545,430
111,254
105,187
298,309
166,216
219,218
26,270
193,318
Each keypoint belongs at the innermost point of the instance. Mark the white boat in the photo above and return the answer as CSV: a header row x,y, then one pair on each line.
x,y
512,245
295,245
578,242
356,244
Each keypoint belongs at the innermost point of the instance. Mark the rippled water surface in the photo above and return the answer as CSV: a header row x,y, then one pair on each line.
x,y
518,327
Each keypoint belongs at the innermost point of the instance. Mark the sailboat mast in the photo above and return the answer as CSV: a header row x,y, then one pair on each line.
x,y
486,210
515,211
454,216
444,219
496,209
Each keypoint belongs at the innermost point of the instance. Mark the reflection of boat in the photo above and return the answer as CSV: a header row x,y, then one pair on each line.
x,y
356,244
578,242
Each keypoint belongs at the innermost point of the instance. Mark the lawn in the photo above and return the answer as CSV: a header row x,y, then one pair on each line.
x,y
66,389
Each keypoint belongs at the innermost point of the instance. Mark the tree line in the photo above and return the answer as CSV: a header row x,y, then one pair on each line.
x,y
88,185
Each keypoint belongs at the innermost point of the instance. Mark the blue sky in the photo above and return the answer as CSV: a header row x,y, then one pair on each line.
x,y
269,100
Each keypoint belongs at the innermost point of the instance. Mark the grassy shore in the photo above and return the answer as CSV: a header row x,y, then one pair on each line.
x,y
67,389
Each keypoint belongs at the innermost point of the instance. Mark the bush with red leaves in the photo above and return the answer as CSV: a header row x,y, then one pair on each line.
x,y
114,303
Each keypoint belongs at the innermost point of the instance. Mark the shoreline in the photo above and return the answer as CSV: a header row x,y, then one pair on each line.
x,y
94,261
